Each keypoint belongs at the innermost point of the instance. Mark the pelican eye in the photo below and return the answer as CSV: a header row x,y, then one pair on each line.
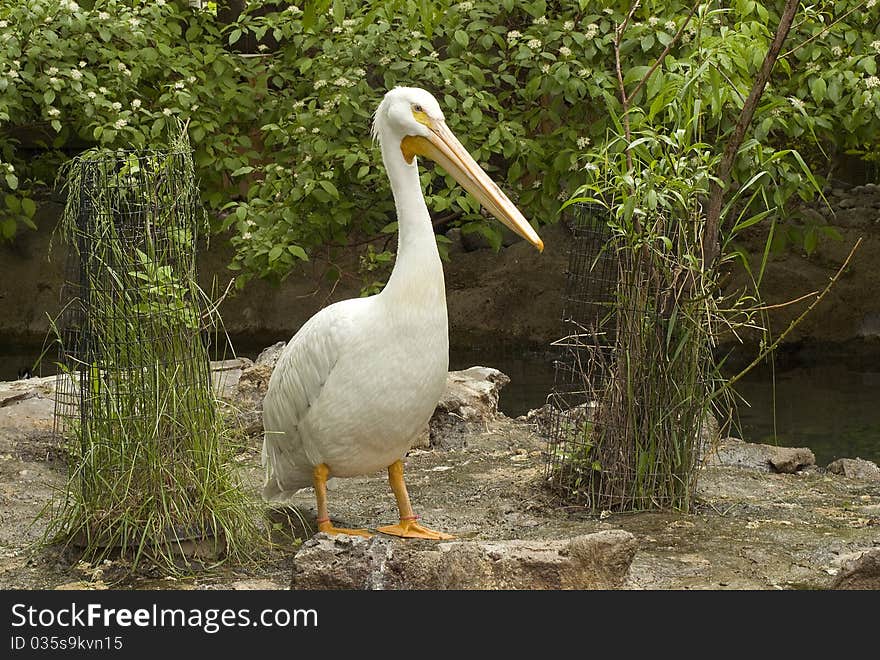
x,y
418,108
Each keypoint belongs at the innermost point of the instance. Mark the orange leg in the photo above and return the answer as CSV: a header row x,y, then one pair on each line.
x,y
408,527
319,478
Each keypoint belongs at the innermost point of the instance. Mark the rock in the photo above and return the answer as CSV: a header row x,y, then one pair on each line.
x,y
861,572
593,561
789,460
470,400
269,356
855,468
754,456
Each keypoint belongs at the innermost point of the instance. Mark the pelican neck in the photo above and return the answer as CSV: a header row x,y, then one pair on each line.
x,y
418,271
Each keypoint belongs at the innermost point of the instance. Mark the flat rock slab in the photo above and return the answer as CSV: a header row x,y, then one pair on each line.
x,y
592,561
733,452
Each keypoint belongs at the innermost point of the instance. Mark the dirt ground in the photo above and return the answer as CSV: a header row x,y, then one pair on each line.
x,y
750,530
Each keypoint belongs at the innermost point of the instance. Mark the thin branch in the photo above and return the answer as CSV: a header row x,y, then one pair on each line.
x,y
821,32
794,323
666,50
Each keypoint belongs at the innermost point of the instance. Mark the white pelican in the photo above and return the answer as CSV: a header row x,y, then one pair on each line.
x,y
362,377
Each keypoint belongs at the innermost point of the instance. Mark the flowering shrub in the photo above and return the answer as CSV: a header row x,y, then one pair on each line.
x,y
282,134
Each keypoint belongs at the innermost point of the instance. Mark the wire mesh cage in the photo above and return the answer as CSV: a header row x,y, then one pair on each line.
x,y
134,397
629,392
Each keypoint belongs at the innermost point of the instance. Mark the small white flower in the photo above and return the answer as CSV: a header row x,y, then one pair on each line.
x,y
872,81
541,20
116,105
103,15
136,104
591,167
91,94
83,64
415,34
359,72
262,48
320,83
12,73
837,51
53,81
568,26
876,45
52,71
348,22
337,29
584,73
583,142
686,38
300,129
121,66
534,44
120,123
796,103
465,6
870,4
4,24
179,85
316,130
103,90
191,80
246,236
537,183
53,112
565,51
299,104
512,36
653,21
134,22
161,3
670,26
414,52
384,60
434,55
447,82
167,112
76,74
545,68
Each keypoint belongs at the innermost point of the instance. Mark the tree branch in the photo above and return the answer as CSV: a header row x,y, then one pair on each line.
x,y
725,167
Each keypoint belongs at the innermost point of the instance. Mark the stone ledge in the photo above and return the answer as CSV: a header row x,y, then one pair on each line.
x,y
593,561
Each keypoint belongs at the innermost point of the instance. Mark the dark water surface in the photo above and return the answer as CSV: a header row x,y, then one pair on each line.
x,y
828,401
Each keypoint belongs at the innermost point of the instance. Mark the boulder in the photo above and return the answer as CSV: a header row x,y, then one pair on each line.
x,y
592,561
754,456
855,468
861,572
469,402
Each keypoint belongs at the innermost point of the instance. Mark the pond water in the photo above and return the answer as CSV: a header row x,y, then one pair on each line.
x,y
828,401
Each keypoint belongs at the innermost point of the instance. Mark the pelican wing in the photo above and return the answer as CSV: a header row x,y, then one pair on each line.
x,y
297,383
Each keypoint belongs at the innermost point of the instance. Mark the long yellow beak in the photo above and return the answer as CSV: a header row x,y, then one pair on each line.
x,y
443,148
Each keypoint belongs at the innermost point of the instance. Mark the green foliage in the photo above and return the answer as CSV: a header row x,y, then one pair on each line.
x,y
281,134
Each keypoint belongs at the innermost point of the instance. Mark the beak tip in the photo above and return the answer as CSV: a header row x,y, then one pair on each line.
x,y
540,245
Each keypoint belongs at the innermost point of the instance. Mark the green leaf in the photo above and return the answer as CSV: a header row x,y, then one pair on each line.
x,y
329,187
247,169
461,38
11,181
275,252
298,252
13,203
234,36
28,207
818,89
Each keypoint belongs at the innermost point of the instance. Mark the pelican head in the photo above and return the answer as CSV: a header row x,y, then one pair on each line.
x,y
412,118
